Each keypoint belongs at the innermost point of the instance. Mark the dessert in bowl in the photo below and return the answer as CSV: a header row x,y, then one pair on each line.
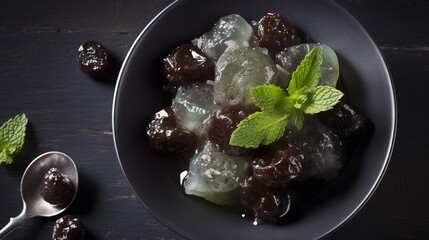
x,y
139,94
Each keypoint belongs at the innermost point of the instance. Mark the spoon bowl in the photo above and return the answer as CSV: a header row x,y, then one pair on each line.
x,y
33,203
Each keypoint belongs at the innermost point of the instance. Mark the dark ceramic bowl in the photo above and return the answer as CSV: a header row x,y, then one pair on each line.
x,y
138,96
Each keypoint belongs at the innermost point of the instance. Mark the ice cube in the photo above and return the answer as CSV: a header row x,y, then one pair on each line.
x,y
213,175
323,150
291,57
229,33
238,71
193,106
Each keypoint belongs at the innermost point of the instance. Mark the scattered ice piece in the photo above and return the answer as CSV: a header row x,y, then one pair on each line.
x,y
238,71
213,175
229,33
193,106
291,57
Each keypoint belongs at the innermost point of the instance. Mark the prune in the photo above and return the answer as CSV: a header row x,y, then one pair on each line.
x,y
187,64
265,203
94,59
278,170
344,121
164,135
68,228
57,188
275,33
224,122
161,121
321,149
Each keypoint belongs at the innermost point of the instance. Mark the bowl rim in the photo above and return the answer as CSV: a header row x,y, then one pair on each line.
x,y
391,139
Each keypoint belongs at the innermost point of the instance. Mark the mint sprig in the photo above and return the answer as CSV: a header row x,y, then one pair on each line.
x,y
12,137
303,96
307,74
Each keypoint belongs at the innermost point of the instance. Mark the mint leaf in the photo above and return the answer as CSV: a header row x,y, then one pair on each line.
x,y
298,118
306,76
303,96
267,97
321,99
12,137
296,100
259,128
5,157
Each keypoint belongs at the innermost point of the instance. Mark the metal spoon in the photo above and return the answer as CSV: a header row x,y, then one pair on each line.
x,y
33,203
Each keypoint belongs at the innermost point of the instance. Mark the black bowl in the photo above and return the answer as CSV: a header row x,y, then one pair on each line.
x,y
138,96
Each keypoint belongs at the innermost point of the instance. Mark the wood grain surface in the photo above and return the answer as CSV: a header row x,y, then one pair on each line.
x,y
70,112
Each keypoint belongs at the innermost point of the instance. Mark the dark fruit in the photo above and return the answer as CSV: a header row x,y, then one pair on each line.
x,y
279,169
224,122
57,188
344,121
164,135
94,59
68,228
187,64
275,33
265,203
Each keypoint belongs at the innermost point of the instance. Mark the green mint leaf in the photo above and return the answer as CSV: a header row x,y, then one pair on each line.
x,y
12,137
259,128
321,99
307,73
297,100
303,96
297,116
267,97
5,157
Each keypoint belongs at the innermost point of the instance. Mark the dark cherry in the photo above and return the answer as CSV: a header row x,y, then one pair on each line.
x,y
164,135
279,169
94,59
68,228
275,33
57,189
344,121
224,122
264,202
187,64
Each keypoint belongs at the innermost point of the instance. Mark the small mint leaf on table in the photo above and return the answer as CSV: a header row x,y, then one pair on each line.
x,y
12,137
5,157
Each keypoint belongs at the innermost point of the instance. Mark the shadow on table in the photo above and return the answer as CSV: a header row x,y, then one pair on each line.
x,y
87,196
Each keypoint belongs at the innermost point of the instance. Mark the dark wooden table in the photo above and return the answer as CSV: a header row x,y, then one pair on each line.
x,y
70,112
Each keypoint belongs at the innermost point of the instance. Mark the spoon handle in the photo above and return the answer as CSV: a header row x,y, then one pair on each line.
x,y
13,224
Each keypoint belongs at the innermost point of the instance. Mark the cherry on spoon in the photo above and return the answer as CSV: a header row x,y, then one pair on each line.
x,y
34,204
